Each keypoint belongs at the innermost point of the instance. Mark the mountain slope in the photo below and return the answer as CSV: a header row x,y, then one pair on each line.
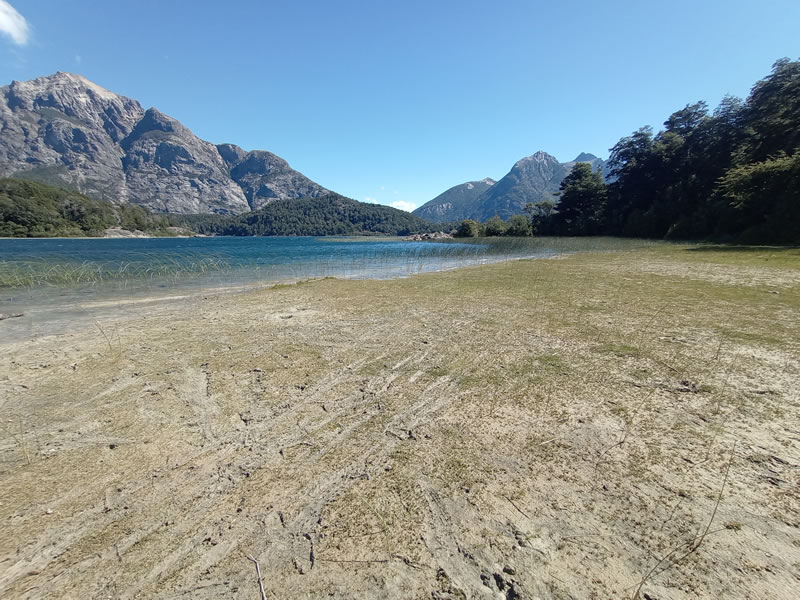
x,y
169,169
533,179
330,214
456,203
265,177
65,130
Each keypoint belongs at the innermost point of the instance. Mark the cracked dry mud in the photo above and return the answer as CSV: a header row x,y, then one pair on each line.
x,y
545,429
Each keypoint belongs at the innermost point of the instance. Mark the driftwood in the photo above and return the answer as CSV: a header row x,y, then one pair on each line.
x,y
258,574
3,317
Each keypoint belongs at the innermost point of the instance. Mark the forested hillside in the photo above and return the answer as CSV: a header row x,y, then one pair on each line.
x,y
329,215
29,209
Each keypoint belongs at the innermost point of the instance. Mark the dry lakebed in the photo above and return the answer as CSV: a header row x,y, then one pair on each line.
x,y
603,425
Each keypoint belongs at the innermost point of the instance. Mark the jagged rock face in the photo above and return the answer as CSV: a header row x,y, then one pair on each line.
x,y
175,171
231,154
265,177
66,130
532,179
457,203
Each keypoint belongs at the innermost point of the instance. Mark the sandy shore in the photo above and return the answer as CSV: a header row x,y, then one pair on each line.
x,y
600,426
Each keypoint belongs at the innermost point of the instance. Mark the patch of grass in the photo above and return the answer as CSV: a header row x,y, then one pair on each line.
x,y
758,337
762,256
619,349
553,362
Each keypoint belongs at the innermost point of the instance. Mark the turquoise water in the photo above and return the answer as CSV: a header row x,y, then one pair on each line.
x,y
163,260
60,283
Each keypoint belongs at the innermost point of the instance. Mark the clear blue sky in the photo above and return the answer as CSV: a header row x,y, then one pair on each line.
x,y
395,101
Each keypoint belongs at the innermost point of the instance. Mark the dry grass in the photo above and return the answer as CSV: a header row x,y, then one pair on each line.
x,y
536,429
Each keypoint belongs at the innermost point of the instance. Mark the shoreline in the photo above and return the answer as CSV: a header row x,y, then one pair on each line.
x,y
443,434
121,304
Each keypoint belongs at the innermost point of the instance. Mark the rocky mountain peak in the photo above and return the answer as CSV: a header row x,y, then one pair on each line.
x,y
155,120
62,84
231,154
66,130
74,98
537,157
261,162
535,178
265,177
81,82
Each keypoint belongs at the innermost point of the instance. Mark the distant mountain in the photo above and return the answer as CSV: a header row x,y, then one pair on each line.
x,y
456,203
67,131
532,179
597,163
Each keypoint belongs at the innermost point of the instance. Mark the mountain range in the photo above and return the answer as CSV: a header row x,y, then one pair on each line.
x,y
534,179
455,204
66,130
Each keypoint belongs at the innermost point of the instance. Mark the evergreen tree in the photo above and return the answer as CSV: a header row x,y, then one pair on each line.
x,y
725,175
582,203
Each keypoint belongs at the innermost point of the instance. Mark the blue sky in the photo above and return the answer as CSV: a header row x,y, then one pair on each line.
x,y
394,102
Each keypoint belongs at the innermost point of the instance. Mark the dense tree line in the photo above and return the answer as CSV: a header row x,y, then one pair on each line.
x,y
732,174
516,226
29,209
328,215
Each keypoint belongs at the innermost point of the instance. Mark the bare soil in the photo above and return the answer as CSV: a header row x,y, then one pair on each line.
x,y
612,425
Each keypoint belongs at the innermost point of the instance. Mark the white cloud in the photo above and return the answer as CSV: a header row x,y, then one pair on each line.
x,y
78,58
370,199
403,205
13,24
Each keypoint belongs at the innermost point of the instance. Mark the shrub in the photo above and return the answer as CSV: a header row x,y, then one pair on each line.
x,y
468,228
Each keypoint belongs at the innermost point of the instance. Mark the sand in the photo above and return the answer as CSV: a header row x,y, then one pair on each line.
x,y
599,426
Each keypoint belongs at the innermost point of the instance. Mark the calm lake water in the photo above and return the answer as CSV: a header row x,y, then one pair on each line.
x,y
61,283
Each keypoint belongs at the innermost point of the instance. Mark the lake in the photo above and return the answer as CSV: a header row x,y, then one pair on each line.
x,y
61,283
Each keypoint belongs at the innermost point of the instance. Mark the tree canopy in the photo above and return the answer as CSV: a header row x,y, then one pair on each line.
x,y
29,209
328,215
730,174
582,202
